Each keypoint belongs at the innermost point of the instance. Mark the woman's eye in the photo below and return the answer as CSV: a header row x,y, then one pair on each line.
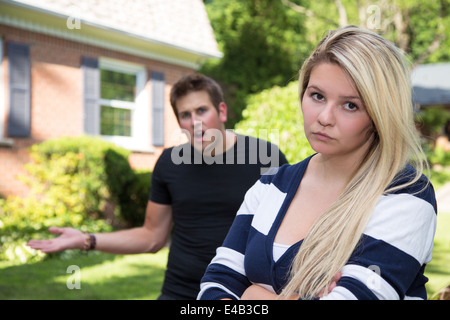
x,y
351,106
318,97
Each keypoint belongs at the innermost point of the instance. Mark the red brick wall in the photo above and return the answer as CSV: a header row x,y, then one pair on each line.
x,y
56,98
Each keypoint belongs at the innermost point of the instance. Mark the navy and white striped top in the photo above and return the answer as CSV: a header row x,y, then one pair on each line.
x,y
388,263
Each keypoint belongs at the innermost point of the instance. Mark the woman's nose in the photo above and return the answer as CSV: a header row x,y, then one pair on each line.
x,y
326,116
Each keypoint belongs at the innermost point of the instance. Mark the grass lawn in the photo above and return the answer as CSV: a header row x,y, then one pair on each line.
x,y
438,270
101,276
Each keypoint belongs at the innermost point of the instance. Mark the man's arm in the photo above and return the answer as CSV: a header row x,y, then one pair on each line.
x,y
151,237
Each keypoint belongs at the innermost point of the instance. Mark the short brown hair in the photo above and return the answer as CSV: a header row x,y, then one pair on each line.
x,y
192,83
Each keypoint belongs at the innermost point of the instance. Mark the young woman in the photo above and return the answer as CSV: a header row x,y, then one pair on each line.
x,y
359,208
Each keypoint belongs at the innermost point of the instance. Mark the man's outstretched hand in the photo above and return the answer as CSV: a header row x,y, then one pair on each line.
x,y
69,238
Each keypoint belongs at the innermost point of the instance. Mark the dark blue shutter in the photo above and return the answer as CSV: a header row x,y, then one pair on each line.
x,y
91,96
158,85
19,119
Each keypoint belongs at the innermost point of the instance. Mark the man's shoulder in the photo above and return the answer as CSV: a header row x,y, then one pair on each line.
x,y
260,148
168,152
252,139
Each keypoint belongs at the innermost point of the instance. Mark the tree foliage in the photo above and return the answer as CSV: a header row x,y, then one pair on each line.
x,y
419,28
274,114
256,37
266,41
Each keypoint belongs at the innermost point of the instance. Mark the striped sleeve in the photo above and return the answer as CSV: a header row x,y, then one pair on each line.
x,y
390,259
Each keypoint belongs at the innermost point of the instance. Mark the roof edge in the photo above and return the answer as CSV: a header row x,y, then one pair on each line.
x,y
202,55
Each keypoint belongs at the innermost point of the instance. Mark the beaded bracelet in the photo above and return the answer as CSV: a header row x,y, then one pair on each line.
x,y
89,242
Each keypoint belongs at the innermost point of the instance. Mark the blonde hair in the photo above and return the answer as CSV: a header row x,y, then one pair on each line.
x,y
381,76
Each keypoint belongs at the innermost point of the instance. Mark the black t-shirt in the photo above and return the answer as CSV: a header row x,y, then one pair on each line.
x,y
205,193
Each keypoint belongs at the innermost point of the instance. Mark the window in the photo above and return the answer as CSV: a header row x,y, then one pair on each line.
x,y
117,105
124,106
117,100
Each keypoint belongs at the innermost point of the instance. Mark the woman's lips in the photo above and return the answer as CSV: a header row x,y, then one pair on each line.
x,y
322,136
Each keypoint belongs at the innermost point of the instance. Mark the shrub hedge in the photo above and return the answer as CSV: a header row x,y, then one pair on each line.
x,y
82,182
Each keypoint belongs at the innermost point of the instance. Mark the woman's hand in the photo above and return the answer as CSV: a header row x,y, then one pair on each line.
x,y
332,285
69,239
256,292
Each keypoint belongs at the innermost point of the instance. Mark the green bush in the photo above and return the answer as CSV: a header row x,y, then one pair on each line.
x,y
438,156
82,182
274,114
432,120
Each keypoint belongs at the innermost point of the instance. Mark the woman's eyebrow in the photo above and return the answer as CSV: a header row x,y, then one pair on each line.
x,y
350,97
342,97
314,88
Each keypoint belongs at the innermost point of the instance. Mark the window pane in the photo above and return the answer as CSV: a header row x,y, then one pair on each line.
x,y
115,122
117,85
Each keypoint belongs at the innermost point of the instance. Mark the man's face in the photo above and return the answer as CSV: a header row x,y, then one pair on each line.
x,y
198,116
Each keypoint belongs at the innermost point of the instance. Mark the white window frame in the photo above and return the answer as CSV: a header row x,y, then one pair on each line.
x,y
2,94
4,142
140,110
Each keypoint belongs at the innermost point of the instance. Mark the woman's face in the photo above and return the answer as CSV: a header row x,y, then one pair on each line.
x,y
335,119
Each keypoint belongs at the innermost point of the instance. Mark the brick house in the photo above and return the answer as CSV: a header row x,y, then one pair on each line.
x,y
103,68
